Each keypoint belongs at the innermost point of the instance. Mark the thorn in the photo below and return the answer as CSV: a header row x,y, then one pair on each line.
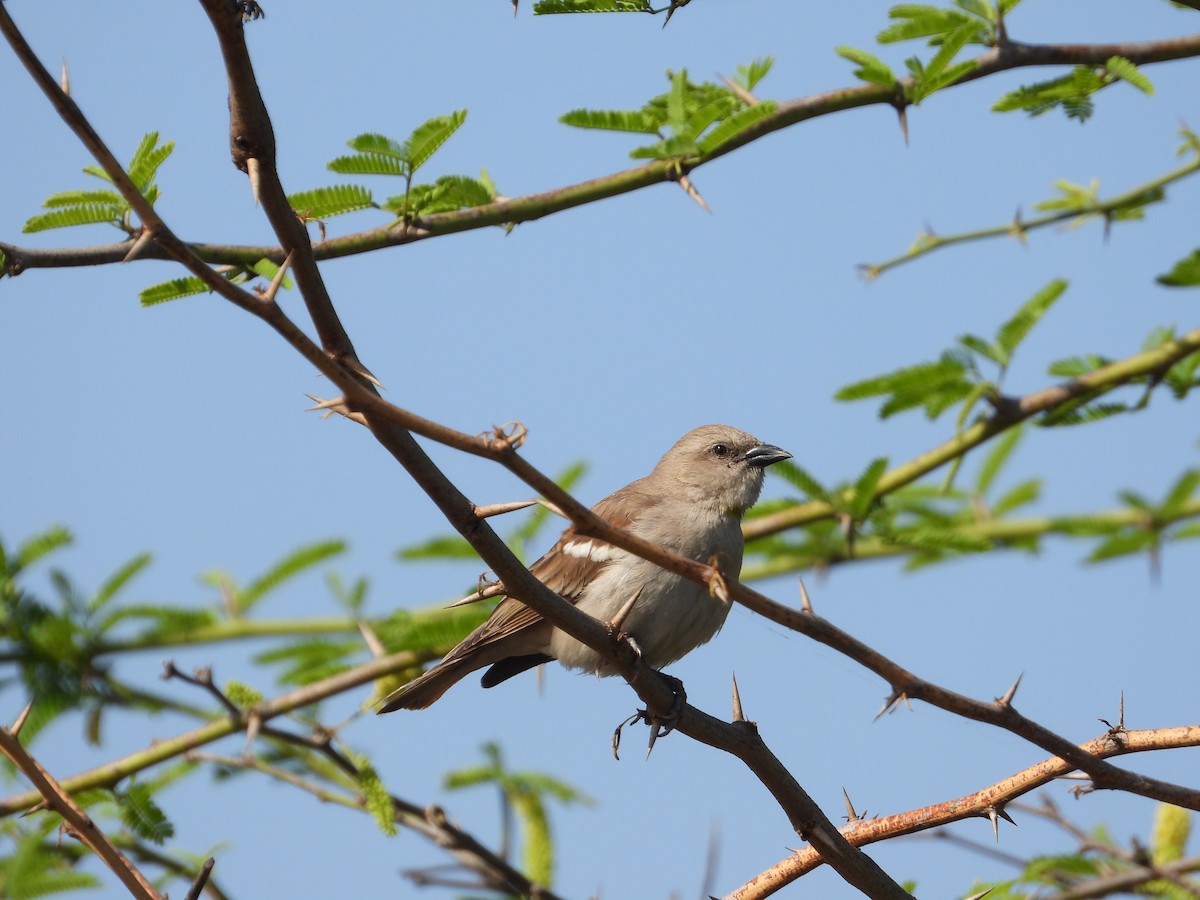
x,y
64,79
895,698
851,815
690,190
655,728
805,602
980,895
738,714
254,724
338,406
1017,229
254,170
494,590
355,366
738,91
1006,701
546,504
514,3
371,639
319,404
995,814
614,624
269,295
902,115
20,723
143,240
499,509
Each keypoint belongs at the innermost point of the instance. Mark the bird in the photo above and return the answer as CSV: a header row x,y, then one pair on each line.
x,y
692,503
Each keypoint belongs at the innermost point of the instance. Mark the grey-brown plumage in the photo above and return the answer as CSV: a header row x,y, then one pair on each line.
x,y
692,503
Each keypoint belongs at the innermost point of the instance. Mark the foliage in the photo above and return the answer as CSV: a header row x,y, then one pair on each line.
x,y
105,205
690,120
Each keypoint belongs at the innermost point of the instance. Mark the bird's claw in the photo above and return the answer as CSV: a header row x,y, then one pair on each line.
x,y
660,726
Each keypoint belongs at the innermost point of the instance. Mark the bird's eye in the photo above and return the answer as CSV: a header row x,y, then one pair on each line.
x,y
720,450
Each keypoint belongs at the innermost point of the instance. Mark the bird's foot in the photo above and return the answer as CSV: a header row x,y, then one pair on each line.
x,y
660,726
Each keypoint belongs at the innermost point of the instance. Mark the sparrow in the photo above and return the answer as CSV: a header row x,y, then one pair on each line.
x,y
692,503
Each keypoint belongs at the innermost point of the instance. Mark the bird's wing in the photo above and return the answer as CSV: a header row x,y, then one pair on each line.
x,y
566,568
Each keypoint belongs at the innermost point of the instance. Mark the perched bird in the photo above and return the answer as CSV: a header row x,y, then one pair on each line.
x,y
691,503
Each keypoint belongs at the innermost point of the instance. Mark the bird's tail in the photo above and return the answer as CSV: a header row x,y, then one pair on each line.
x,y
426,688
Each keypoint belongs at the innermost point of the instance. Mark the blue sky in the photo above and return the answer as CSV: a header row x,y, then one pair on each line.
x,y
608,331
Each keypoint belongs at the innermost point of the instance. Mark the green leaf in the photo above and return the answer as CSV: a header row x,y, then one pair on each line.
x,y
1180,493
637,121
674,147
439,548
986,349
920,377
461,192
677,101
870,68
864,488
736,124
85,214
1186,272
142,815
369,163
326,202
242,695
146,160
1081,412
295,563
378,801
379,145
996,458
1014,331
798,477
1123,544
748,76
918,21
118,580
1071,93
84,198
1074,366
268,270
1127,71
172,290
429,136
1024,493
34,548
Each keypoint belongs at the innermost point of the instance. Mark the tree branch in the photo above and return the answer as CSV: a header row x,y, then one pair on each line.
x,y
535,206
78,822
861,832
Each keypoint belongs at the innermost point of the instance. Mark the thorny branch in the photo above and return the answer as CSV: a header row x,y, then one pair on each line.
x,y
985,803
78,823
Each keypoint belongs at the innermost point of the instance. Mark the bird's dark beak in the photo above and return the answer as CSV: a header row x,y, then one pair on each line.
x,y
763,455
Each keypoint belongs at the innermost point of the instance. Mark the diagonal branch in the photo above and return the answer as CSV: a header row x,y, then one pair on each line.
x,y
79,823
868,831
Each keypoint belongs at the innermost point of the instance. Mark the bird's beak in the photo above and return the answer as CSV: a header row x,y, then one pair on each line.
x,y
763,455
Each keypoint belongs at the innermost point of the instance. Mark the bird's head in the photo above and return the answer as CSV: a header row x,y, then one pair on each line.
x,y
719,466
